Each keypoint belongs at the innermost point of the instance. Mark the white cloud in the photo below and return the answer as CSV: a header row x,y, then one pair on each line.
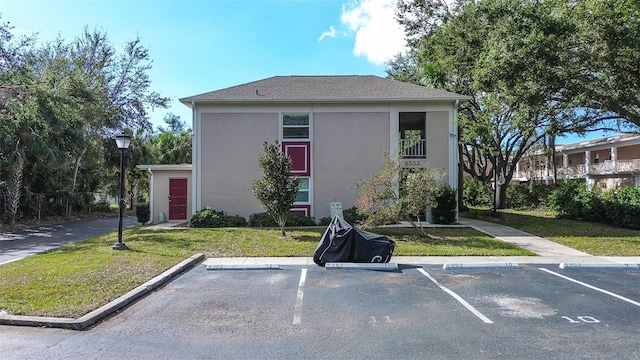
x,y
332,32
378,35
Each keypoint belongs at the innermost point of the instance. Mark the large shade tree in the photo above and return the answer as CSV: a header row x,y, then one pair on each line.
x,y
58,102
517,60
173,144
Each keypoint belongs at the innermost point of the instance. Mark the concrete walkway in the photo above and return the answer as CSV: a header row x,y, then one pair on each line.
x,y
538,245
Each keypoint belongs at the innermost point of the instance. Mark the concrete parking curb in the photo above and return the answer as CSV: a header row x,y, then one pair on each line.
x,y
244,267
507,265
104,311
362,266
598,266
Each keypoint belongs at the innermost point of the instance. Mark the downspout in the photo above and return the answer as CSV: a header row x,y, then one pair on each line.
x,y
195,160
394,139
150,195
453,156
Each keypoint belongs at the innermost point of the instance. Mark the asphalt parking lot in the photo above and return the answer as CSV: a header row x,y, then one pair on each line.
x,y
307,312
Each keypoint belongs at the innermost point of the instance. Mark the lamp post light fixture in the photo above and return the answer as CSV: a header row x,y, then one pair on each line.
x,y
122,141
495,153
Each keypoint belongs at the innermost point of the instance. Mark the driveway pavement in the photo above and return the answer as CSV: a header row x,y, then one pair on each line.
x,y
310,312
15,245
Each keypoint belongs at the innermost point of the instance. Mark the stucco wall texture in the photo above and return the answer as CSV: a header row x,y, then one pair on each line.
x,y
161,189
230,162
345,146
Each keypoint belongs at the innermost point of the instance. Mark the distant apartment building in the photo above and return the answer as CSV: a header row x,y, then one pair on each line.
x,y
610,163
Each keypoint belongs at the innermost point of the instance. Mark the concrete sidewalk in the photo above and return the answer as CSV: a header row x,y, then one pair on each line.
x,y
548,252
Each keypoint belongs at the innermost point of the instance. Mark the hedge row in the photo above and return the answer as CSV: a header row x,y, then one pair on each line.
x,y
569,200
210,218
621,207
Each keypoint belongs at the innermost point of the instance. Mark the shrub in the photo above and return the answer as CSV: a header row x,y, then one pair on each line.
x,y
476,193
235,221
263,219
352,216
102,206
142,212
209,218
563,200
349,215
446,206
618,207
622,207
528,196
521,197
295,219
591,205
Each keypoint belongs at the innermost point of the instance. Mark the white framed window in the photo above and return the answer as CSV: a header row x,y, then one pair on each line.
x,y
304,193
296,126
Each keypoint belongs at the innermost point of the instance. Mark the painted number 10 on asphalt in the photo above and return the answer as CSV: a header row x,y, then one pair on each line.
x,y
582,319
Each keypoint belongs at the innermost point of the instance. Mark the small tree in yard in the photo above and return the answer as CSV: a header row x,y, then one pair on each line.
x,y
277,189
395,194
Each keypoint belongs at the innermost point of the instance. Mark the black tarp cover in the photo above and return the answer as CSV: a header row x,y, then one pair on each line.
x,y
342,242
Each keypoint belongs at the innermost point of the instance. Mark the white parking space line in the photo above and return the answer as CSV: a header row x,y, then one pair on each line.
x,y
592,287
297,312
457,297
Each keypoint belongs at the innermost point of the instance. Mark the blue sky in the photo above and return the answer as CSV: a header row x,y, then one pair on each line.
x,y
200,46
203,45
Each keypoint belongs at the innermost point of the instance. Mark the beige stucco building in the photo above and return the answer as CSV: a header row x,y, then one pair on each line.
x,y
170,189
335,128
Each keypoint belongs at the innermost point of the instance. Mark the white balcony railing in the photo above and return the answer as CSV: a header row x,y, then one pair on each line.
x,y
627,165
413,148
574,171
615,167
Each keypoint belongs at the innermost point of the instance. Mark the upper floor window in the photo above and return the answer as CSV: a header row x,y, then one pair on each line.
x,y
295,126
303,192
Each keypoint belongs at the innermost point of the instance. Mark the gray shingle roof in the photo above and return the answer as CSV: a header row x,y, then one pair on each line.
x,y
341,89
608,141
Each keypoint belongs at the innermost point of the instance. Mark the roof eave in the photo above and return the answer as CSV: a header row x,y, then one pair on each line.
x,y
189,101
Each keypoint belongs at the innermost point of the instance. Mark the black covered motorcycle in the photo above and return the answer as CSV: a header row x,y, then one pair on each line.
x,y
342,242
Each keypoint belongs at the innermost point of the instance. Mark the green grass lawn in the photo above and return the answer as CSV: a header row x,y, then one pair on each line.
x,y
77,278
593,238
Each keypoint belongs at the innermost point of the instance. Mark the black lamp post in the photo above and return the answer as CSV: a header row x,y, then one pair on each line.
x,y
495,154
122,141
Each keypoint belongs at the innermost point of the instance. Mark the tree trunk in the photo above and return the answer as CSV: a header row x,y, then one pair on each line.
x,y
14,189
461,206
282,221
76,170
501,195
133,193
552,144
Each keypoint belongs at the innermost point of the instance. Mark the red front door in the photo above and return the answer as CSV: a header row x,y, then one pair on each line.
x,y
177,199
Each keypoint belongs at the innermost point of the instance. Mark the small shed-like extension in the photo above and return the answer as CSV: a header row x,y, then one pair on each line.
x,y
169,192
